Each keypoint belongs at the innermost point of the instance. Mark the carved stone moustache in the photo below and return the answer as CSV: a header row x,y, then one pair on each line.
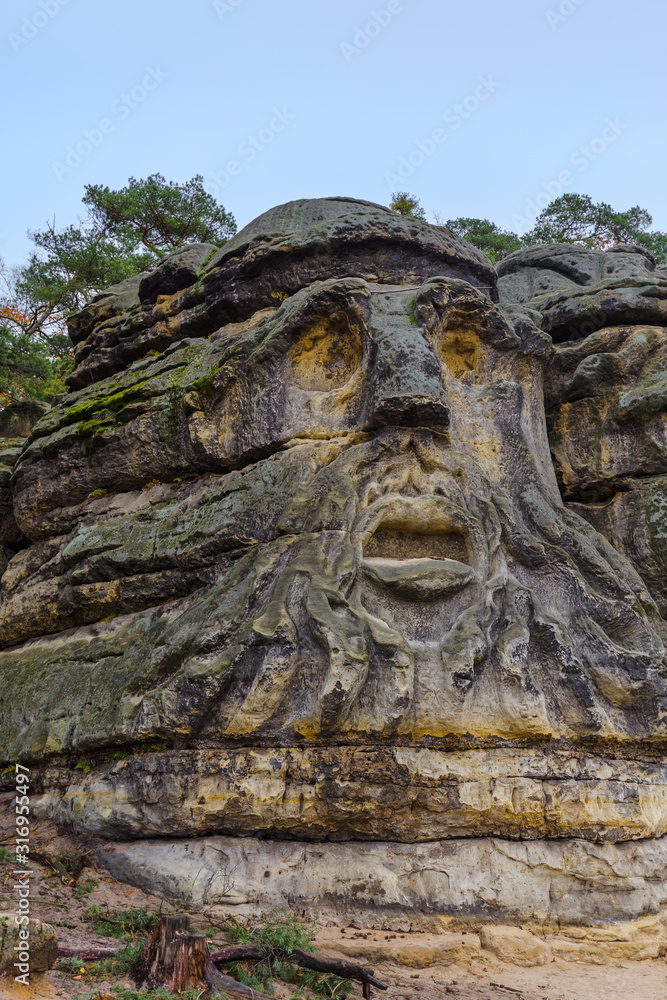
x,y
352,540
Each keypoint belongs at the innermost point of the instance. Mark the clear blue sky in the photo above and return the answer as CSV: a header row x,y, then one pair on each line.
x,y
333,111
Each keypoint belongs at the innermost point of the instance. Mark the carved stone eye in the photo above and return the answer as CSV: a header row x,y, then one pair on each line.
x,y
326,355
460,351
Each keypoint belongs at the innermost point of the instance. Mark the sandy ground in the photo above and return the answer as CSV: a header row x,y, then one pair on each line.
x,y
560,981
486,978
473,978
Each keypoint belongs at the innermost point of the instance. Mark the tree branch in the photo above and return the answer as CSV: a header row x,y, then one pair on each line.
x,y
337,967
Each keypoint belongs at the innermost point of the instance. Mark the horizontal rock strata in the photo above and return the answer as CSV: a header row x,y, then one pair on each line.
x,y
402,794
468,883
509,943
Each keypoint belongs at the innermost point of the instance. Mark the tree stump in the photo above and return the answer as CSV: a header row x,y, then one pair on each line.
x,y
178,958
192,963
155,965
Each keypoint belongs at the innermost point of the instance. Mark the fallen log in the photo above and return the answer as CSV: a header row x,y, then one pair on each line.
x,y
236,989
305,959
48,861
87,954
156,963
250,953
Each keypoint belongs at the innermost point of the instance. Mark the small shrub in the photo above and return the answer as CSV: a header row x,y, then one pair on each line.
x,y
70,966
86,887
73,863
123,924
258,978
120,963
280,935
122,991
280,931
6,855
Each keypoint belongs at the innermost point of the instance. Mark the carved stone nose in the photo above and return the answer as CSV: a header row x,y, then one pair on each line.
x,y
407,380
410,411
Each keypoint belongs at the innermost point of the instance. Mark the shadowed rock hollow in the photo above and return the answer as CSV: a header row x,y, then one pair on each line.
x,y
341,535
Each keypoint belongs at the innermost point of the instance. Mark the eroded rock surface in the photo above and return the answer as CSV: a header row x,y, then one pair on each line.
x,y
42,946
605,389
270,260
326,543
405,794
466,883
16,424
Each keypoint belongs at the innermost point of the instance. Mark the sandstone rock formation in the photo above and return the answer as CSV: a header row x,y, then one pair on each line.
x,y
42,945
341,535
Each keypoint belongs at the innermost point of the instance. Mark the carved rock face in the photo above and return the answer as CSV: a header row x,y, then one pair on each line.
x,y
332,519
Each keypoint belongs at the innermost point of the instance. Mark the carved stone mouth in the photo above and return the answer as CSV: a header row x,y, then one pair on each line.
x,y
417,552
395,541
420,579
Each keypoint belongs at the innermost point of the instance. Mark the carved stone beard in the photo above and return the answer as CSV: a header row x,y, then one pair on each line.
x,y
421,604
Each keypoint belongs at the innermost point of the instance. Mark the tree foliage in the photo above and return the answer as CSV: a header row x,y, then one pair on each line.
x,y
124,232
26,367
407,205
35,354
158,217
576,218
572,218
655,243
495,242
